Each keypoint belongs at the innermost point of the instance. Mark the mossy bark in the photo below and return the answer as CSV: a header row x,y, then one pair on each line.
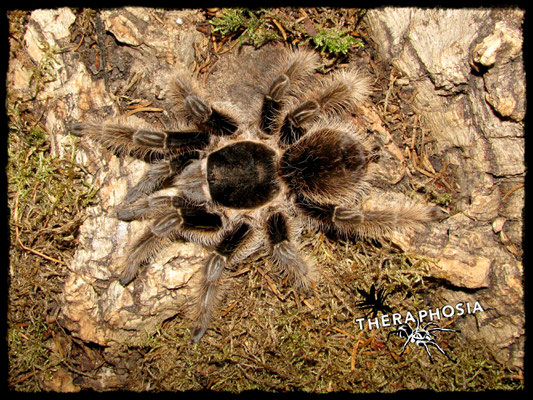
x,y
467,72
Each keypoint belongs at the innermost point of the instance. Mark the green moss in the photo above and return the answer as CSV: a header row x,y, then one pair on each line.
x,y
251,26
51,184
46,71
334,42
26,348
46,194
442,199
232,20
257,27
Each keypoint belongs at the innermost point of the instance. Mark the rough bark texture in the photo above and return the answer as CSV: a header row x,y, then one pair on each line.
x,y
95,307
466,69
467,72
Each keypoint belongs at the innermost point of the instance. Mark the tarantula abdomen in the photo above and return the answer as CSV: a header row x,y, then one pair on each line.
x,y
324,165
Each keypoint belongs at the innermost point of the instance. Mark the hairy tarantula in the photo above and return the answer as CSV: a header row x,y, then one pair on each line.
x,y
242,183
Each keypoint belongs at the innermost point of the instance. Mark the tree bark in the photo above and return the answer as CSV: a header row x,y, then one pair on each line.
x,y
466,69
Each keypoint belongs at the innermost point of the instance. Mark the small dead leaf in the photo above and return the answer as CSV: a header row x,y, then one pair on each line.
x,y
61,381
310,28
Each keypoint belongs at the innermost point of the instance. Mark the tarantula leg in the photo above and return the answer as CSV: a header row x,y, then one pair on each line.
x,y
373,223
172,140
145,208
151,181
211,272
139,142
193,217
345,89
272,103
149,244
295,68
159,174
321,212
218,123
192,222
197,218
200,226
291,129
144,247
206,117
167,224
286,255
217,262
193,107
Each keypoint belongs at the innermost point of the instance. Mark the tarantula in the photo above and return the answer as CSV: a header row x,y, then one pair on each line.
x,y
245,182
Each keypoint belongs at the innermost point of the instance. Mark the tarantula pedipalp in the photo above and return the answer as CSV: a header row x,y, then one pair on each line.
x,y
241,182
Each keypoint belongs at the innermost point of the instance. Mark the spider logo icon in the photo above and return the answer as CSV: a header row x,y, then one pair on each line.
x,y
421,336
374,301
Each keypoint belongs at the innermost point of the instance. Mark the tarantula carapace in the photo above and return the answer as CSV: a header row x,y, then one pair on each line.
x,y
243,182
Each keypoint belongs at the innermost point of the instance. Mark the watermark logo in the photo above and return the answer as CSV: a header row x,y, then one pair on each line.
x,y
448,311
421,336
410,325
374,301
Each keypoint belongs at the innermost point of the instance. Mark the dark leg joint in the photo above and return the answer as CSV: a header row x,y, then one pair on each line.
x,y
178,163
189,140
269,112
220,124
291,129
289,132
277,228
232,240
321,212
199,218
